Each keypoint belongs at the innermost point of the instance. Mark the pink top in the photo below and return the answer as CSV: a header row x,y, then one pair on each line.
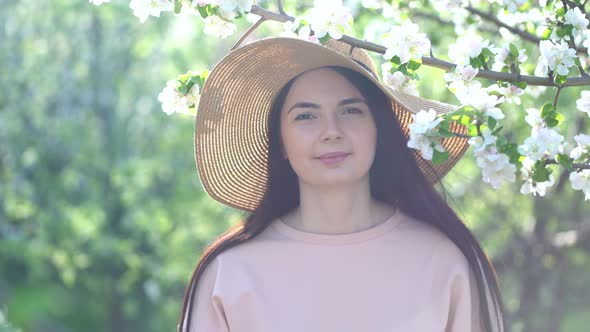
x,y
401,275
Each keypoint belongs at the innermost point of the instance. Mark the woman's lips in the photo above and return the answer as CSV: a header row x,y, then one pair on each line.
x,y
333,158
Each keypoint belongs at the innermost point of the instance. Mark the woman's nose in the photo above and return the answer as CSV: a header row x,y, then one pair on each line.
x,y
331,128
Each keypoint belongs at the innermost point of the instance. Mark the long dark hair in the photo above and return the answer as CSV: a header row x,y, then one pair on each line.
x,y
395,178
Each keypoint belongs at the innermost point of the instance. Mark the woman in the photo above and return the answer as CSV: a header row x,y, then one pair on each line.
x,y
346,231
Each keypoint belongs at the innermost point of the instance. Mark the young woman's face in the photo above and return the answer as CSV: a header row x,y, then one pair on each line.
x,y
324,113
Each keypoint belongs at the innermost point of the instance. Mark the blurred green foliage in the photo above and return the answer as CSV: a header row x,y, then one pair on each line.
x,y
102,215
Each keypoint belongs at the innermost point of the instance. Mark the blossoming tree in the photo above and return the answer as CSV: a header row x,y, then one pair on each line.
x,y
558,28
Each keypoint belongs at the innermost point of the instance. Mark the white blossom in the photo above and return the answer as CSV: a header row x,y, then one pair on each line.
x,y
373,4
303,33
398,81
466,47
502,54
529,186
218,27
194,95
586,38
484,103
496,167
555,57
173,101
511,93
98,2
534,119
462,83
405,42
421,133
583,103
545,142
229,8
461,73
511,5
577,19
581,181
330,17
481,143
583,148
146,8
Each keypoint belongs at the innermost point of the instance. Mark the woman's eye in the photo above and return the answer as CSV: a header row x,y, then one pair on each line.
x,y
304,116
353,110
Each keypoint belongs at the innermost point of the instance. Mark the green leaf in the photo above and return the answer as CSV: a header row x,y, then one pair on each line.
x,y
510,149
559,117
491,123
501,141
513,50
414,64
439,157
565,161
547,109
551,122
203,11
475,62
325,38
177,6
521,85
497,130
395,60
540,172
560,12
486,52
560,79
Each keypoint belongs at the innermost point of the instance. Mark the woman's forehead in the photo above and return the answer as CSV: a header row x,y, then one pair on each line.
x,y
323,84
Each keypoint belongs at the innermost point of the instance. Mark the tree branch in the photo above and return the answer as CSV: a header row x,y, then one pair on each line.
x,y
435,62
523,34
249,31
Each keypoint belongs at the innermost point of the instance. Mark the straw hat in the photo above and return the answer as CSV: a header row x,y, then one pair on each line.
x,y
231,123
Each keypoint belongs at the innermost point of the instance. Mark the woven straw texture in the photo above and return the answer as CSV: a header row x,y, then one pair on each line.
x,y
231,122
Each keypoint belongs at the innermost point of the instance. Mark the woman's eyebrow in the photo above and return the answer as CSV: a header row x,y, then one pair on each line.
x,y
305,104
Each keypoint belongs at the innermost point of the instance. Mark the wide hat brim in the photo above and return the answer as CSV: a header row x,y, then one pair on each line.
x,y
231,145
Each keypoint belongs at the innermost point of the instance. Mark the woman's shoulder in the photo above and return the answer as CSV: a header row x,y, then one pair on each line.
x,y
420,230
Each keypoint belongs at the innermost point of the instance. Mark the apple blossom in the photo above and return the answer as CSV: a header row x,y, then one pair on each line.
x,y
405,42
534,119
172,100
461,82
218,27
146,8
582,151
511,93
98,2
398,81
545,142
496,167
502,54
577,19
484,103
529,186
330,17
422,133
581,181
583,103
555,57
304,31
466,47
511,5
